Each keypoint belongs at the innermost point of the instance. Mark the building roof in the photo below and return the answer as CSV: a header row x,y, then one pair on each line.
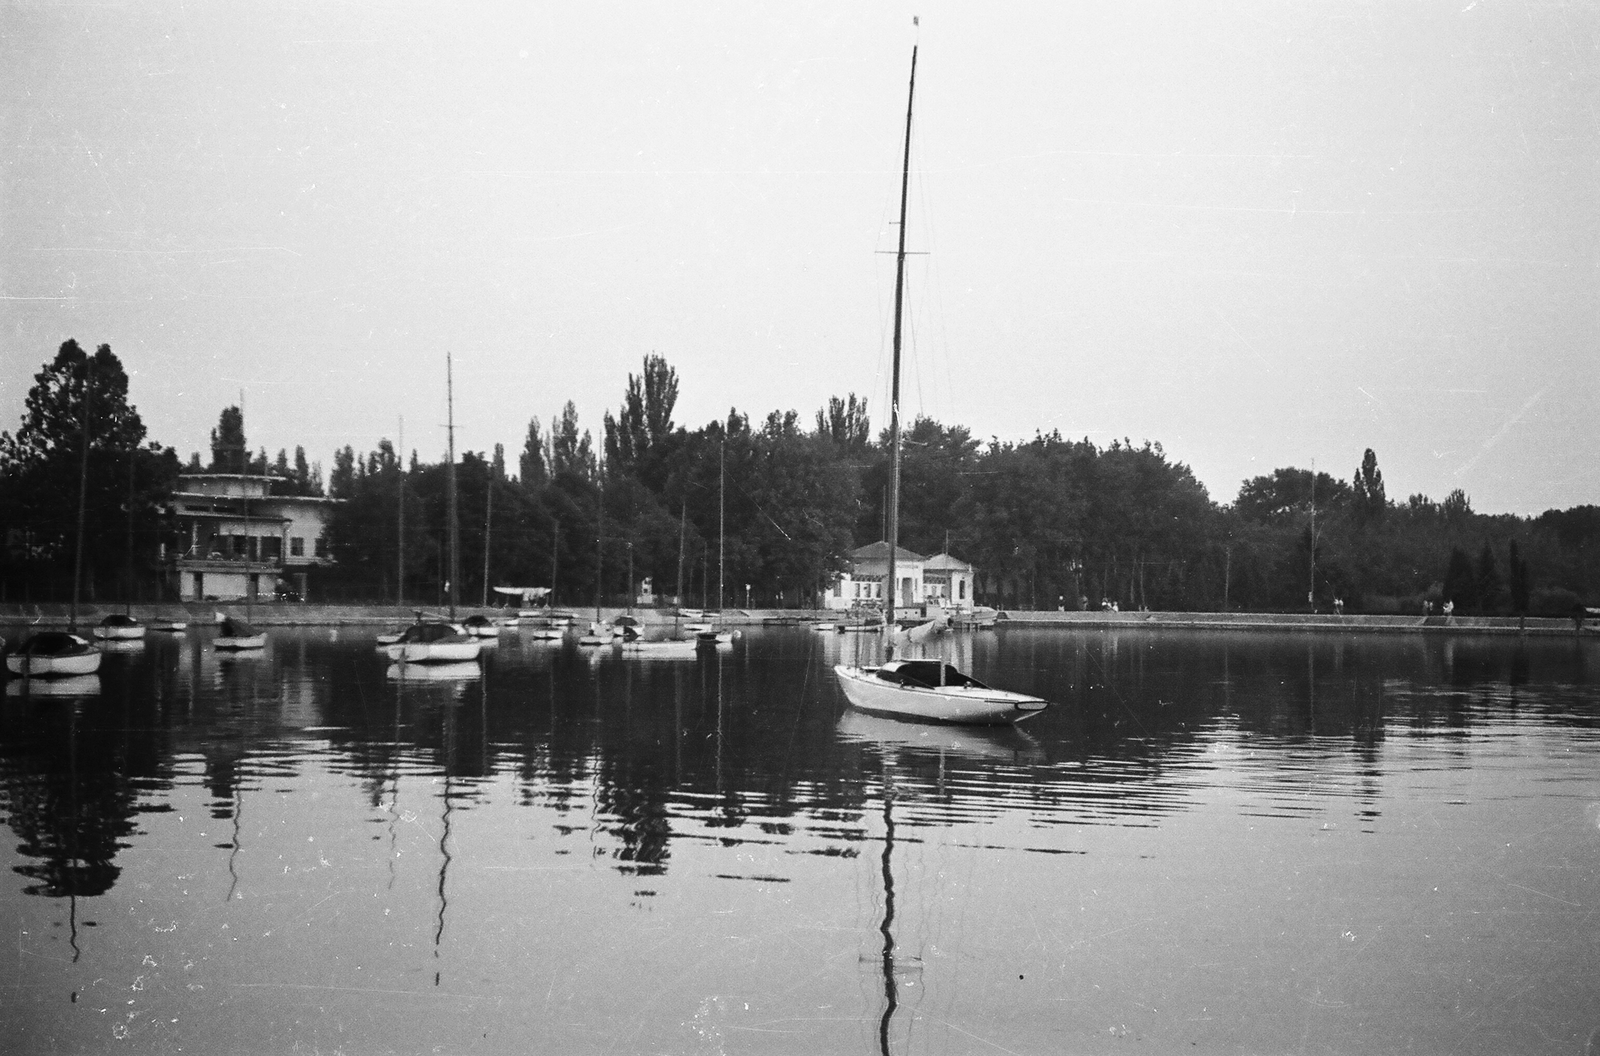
x,y
206,496
879,551
227,476
946,563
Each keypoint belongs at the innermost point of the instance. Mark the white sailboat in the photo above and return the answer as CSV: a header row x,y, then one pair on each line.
x,y
923,690
58,654
435,641
121,626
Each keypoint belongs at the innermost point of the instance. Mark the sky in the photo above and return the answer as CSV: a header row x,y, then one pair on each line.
x,y
1259,233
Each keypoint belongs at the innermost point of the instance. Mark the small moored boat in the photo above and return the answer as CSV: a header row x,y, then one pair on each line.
x,y
119,627
933,691
236,635
635,644
480,627
53,654
435,642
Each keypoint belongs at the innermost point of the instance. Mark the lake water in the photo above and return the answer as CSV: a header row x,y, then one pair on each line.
x,y
1215,843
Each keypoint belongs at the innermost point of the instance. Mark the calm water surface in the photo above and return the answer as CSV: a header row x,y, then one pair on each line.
x,y
1217,843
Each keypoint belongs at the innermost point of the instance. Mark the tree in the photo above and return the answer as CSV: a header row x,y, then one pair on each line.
x,y
73,397
1487,581
229,451
1456,507
1288,494
1460,583
570,453
1518,571
637,439
341,484
533,468
307,478
845,422
1370,498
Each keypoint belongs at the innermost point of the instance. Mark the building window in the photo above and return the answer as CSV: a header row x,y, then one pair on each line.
x,y
297,547
322,546
838,588
271,548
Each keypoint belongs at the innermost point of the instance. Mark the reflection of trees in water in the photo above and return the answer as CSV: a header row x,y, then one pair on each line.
x,y
733,745
68,802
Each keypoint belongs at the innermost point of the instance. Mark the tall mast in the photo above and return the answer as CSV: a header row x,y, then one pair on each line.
x,y
600,550
127,587
400,520
83,492
488,519
722,459
455,533
894,391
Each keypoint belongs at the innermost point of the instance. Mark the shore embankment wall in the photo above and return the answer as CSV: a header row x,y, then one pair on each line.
x,y
290,614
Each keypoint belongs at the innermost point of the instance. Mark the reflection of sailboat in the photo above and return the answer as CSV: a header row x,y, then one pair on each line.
x,y
459,671
667,649
69,686
986,743
923,690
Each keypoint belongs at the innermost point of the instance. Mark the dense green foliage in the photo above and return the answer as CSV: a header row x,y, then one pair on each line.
x,y
770,511
124,483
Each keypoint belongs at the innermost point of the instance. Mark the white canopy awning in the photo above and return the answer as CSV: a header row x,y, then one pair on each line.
x,y
525,593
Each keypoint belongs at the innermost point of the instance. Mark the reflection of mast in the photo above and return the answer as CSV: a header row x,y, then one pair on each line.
x,y
444,838
233,855
72,832
891,991
394,781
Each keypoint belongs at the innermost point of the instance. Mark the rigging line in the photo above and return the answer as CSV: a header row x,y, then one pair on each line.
x,y
763,512
1105,680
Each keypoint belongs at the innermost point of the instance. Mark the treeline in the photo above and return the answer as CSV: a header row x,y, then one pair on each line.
x,y
767,512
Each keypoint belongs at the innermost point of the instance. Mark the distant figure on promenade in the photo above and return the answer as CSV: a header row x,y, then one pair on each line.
x,y
1338,606
1449,608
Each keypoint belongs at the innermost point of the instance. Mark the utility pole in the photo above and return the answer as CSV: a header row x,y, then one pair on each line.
x,y
1311,587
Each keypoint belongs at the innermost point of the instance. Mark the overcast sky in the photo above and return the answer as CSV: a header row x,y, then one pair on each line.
x,y
1260,233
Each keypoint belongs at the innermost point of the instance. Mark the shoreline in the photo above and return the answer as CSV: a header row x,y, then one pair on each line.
x,y
298,614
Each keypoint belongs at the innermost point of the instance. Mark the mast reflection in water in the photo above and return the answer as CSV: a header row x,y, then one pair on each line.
x,y
1217,843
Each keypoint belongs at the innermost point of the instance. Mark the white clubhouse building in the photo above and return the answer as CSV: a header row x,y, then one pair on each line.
x,y
243,541
942,578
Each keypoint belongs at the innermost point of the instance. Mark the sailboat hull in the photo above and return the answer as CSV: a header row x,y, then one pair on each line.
x,y
66,665
439,652
120,632
961,705
240,642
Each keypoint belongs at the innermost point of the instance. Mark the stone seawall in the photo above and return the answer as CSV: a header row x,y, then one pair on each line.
x,y
1296,621
289,614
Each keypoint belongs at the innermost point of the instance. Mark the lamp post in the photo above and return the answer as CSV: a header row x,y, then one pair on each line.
x,y
747,595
